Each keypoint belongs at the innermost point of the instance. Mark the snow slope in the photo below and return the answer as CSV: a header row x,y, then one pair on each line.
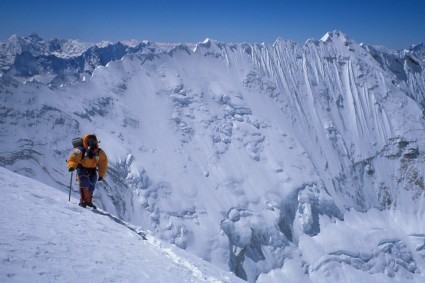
x,y
257,158
45,238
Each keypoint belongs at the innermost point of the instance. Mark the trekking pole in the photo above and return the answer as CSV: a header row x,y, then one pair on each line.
x,y
70,186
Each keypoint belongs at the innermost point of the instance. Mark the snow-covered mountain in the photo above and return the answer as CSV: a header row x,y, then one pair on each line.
x,y
58,61
284,161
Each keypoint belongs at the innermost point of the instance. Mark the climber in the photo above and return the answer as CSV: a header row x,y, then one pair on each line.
x,y
86,158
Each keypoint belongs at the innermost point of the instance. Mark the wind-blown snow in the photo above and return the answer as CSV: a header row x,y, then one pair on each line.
x,y
271,161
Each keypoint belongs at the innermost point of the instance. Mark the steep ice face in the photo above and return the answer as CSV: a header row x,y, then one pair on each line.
x,y
239,153
406,67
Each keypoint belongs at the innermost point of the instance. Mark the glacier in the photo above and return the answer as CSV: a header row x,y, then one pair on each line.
x,y
282,161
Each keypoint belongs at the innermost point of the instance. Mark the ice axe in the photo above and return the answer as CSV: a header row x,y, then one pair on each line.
x,y
70,186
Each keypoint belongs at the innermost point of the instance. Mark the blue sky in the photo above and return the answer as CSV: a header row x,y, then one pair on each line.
x,y
392,23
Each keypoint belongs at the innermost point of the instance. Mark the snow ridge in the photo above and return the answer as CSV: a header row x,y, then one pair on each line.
x,y
50,239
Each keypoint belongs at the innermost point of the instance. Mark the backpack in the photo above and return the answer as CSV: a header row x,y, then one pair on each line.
x,y
78,143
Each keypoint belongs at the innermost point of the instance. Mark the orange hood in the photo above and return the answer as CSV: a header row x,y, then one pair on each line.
x,y
85,140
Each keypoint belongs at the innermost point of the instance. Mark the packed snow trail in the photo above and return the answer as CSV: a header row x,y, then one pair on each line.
x,y
138,231
44,238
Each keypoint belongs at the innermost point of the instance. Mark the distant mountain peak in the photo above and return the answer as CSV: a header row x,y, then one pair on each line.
x,y
103,43
13,37
35,36
281,40
417,47
209,43
336,35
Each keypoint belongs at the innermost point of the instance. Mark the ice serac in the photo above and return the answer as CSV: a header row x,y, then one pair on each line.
x,y
256,157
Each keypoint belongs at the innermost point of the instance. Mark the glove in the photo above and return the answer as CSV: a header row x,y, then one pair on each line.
x,y
100,179
70,169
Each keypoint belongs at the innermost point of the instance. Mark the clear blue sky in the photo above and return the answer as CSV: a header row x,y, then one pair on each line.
x,y
392,23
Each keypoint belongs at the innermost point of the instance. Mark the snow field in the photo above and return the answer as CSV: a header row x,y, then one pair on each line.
x,y
45,238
